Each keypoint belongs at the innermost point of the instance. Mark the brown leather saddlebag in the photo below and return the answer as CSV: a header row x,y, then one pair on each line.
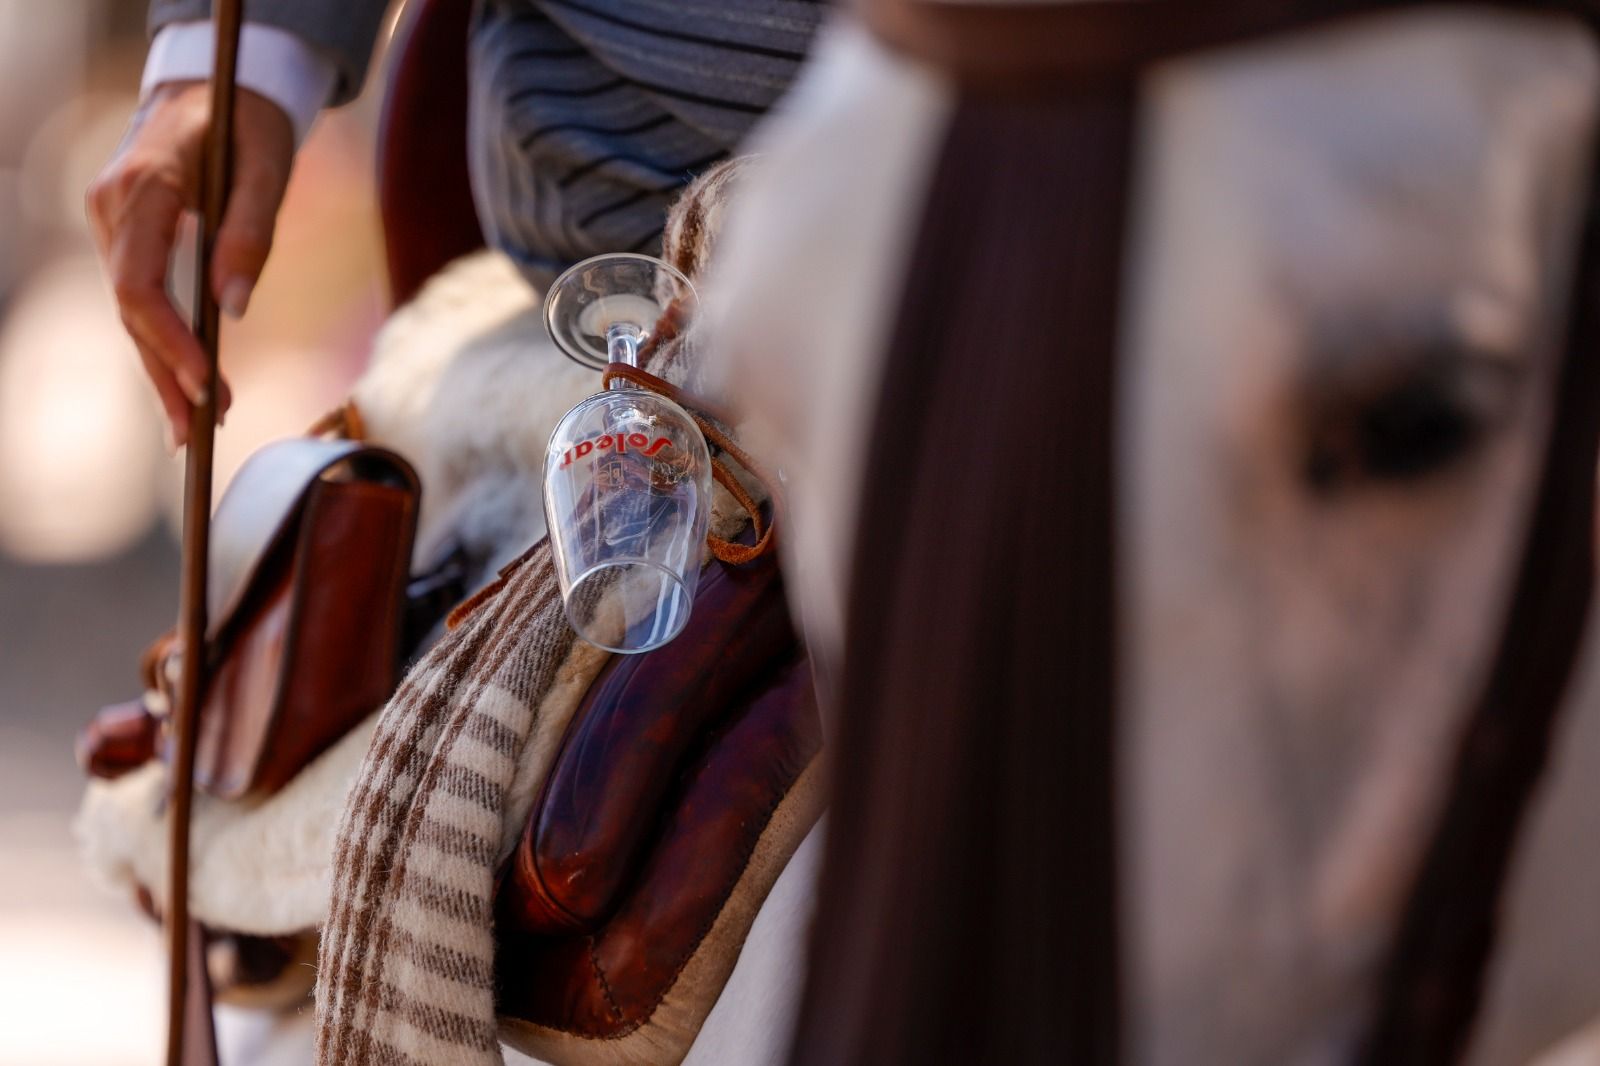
x,y
684,782
310,555
308,639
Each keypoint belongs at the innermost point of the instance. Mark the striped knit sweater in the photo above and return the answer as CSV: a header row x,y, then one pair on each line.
x,y
589,116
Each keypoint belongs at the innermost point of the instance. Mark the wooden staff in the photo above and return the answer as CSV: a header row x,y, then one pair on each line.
x,y
189,1006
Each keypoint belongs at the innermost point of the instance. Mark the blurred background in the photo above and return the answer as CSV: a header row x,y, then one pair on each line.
x,y
89,495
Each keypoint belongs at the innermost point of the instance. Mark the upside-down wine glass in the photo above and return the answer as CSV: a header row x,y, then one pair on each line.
x,y
627,476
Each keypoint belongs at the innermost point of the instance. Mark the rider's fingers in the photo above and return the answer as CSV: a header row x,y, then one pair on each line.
x,y
173,403
245,237
96,204
141,243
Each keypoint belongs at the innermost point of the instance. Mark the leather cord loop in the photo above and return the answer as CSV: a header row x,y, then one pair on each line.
x,y
726,550
344,422
462,610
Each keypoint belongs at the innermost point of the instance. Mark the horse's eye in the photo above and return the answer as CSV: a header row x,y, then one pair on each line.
x,y
1406,407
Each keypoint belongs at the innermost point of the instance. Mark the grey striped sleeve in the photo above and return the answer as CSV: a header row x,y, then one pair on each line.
x,y
589,116
345,30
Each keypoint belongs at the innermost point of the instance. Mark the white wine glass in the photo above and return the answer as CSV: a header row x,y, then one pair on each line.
x,y
627,487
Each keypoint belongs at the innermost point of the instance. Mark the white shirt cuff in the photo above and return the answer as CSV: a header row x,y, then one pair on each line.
x,y
273,62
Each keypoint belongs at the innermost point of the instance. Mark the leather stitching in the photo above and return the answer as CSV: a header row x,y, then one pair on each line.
x,y
605,986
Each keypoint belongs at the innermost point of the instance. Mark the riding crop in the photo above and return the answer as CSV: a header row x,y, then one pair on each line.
x,y
188,1006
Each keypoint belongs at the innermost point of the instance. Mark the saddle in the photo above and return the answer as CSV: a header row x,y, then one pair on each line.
x,y
682,784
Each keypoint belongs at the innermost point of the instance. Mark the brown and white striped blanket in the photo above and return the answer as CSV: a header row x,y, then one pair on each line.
x,y
407,963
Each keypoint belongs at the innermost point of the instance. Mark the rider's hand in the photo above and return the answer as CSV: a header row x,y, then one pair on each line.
x,y
135,206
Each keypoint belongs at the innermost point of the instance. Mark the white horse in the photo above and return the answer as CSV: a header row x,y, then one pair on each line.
x,y
1313,208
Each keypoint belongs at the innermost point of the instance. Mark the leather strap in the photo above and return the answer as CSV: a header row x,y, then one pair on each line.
x,y
1022,46
344,422
1027,45
977,699
1434,983
725,550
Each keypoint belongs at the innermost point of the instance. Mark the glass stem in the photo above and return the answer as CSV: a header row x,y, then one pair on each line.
x,y
622,345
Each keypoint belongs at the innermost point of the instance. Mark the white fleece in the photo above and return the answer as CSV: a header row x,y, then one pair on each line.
x,y
257,867
466,384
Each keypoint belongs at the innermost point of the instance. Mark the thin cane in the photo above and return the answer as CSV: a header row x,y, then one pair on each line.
x,y
182,953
